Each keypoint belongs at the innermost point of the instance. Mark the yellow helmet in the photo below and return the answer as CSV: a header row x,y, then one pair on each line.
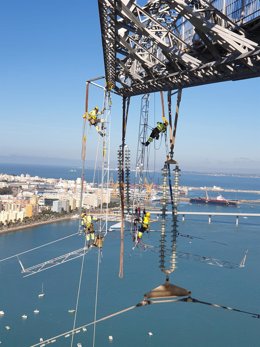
x,y
148,214
83,214
96,108
166,122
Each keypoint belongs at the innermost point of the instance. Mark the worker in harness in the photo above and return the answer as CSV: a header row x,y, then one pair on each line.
x,y
89,230
161,127
93,119
144,226
82,223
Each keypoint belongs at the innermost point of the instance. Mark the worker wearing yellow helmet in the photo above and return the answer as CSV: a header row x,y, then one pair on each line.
x,y
83,214
89,230
161,127
93,119
144,225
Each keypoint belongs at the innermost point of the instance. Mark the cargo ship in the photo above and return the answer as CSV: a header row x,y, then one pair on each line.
x,y
219,200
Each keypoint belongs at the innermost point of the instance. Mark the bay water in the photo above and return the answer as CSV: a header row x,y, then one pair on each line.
x,y
175,324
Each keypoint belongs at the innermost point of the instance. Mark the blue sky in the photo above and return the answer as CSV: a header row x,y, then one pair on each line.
x,y
49,48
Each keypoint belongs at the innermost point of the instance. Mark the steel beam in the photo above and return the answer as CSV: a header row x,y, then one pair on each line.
x,y
172,44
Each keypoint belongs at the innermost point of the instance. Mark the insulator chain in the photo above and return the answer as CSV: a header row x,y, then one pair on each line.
x,y
174,226
127,178
124,173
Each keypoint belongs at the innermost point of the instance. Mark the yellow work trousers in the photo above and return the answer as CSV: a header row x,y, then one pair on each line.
x,y
90,236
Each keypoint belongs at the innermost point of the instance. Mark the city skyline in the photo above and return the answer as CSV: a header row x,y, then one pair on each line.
x,y
49,51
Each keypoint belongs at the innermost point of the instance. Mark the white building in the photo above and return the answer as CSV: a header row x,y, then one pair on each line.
x,y
57,206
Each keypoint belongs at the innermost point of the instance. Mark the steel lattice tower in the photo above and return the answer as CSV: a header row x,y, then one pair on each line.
x,y
140,156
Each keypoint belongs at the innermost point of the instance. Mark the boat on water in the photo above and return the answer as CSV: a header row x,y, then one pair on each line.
x,y
219,200
71,311
41,295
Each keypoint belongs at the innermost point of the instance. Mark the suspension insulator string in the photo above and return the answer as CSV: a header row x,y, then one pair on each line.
x,y
174,229
126,103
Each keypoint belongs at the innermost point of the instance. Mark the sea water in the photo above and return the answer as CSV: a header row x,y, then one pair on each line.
x,y
176,324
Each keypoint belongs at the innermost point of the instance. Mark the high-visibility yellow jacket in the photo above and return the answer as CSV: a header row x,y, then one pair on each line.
x,y
92,115
146,221
161,127
87,221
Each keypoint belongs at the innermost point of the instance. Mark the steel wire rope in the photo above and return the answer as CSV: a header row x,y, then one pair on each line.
x,y
104,180
99,138
106,159
78,293
147,173
151,177
83,153
83,156
125,113
81,203
146,158
155,148
136,202
96,297
154,152
95,165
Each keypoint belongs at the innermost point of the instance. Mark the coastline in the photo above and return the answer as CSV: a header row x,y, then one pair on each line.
x,y
36,224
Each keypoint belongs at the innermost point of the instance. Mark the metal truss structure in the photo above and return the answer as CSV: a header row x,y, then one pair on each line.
x,y
171,44
141,151
214,261
35,269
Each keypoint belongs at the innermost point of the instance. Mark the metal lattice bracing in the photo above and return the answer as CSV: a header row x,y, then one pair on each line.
x,y
171,44
48,264
141,152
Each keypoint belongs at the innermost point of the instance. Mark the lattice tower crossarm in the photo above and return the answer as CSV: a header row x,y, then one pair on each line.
x,y
172,44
